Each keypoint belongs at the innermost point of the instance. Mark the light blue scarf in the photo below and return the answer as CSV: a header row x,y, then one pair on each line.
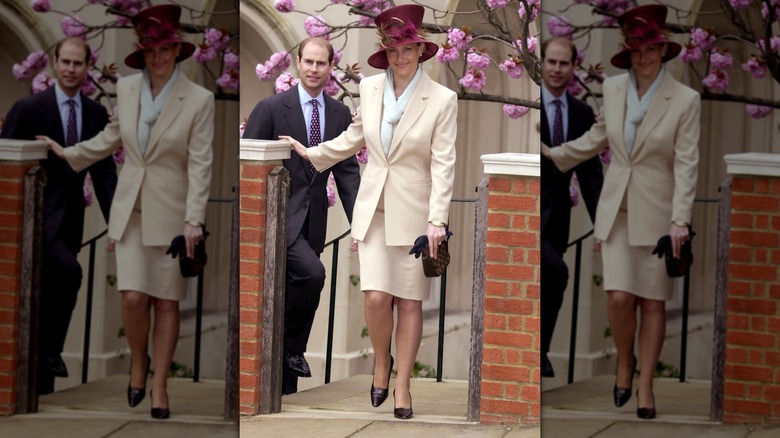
x,y
393,109
151,107
636,108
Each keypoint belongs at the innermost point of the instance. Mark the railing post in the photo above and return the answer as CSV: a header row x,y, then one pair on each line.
x,y
575,302
231,365
478,302
721,296
334,266
88,315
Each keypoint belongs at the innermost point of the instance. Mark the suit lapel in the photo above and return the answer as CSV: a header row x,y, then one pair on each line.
x,y
617,111
52,117
414,109
658,108
171,109
371,113
297,125
133,107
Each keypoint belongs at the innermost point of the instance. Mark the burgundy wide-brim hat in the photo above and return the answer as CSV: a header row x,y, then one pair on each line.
x,y
643,26
156,26
399,26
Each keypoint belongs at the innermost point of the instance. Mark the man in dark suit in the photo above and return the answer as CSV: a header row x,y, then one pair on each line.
x,y
570,118
68,116
295,113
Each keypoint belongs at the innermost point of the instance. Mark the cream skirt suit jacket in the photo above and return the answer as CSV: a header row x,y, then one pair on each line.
x,y
399,193
645,191
159,190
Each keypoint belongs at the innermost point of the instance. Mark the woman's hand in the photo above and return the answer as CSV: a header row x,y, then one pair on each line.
x,y
192,236
111,245
546,151
679,235
297,146
597,246
354,246
53,146
436,236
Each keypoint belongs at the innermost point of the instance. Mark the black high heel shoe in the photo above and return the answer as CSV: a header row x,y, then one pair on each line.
x,y
645,413
379,395
136,395
403,413
623,395
160,413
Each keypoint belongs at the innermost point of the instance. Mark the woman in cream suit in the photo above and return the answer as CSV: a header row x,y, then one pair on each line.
x,y
408,123
651,123
165,123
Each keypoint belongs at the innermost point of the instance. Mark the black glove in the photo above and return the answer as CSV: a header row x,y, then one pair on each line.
x,y
663,247
178,247
421,243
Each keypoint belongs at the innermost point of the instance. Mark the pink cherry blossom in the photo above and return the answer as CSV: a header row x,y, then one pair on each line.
x,y
774,44
758,111
119,155
474,79
263,73
512,68
204,54
87,190
31,66
720,59
717,80
332,87
702,38
41,6
574,194
362,155
279,61
241,129
459,39
215,38
447,53
229,80
534,10
497,4
284,5
88,87
775,11
41,82
580,56
331,190
605,156
316,26
95,54
574,87
73,27
755,67
559,27
285,81
690,53
230,59
515,111
337,55
739,4
477,59
531,42
336,2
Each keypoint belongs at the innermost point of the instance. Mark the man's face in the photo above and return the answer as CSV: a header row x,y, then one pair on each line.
x,y
314,67
557,68
71,68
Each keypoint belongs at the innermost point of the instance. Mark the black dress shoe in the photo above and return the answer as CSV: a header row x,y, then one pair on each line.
x,y
56,365
296,364
547,368
160,413
136,395
379,395
403,413
645,413
623,395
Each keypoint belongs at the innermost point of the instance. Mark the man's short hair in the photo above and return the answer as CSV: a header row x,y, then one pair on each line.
x,y
564,42
317,40
76,41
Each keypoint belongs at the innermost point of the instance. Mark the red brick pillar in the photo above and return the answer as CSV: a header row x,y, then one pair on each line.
x,y
258,158
751,391
16,159
510,392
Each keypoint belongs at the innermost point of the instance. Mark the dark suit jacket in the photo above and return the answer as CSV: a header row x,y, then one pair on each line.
x,y
281,114
556,201
64,195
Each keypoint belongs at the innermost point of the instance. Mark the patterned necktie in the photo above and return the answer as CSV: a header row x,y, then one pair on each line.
x,y
315,138
72,135
557,137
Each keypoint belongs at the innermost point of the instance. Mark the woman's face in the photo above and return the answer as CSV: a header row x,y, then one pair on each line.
x,y
404,59
646,60
161,60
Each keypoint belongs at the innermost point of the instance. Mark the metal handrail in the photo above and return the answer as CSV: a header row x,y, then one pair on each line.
x,y
576,295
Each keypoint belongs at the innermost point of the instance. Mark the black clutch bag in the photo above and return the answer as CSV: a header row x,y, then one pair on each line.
x,y
189,267
675,267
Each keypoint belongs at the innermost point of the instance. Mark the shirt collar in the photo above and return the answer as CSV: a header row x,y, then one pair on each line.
x,y
304,97
548,97
62,97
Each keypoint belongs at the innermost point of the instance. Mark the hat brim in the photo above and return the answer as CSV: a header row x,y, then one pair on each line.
x,y
622,59
379,58
136,59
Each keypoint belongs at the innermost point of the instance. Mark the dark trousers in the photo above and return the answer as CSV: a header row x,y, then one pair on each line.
x,y
305,280
554,276
59,292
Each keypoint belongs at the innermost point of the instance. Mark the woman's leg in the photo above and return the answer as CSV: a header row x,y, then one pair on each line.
x,y
135,317
407,342
165,336
652,329
379,320
621,312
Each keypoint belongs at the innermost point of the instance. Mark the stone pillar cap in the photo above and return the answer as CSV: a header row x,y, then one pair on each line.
x,y
264,150
22,150
510,163
753,163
